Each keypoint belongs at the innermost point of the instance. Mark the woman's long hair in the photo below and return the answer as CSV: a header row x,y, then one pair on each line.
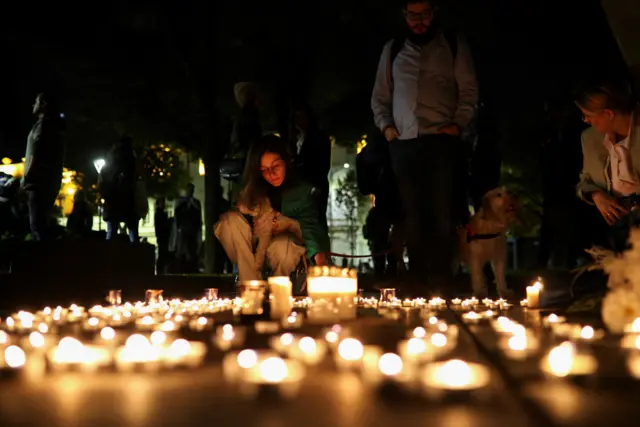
x,y
254,187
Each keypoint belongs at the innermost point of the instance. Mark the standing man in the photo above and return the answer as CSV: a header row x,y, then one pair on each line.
x,y
425,95
188,217
43,165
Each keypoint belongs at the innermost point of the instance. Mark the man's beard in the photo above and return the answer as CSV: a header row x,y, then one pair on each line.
x,y
426,37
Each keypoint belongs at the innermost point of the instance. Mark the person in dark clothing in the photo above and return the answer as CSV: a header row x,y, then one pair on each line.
x,y
162,226
189,228
374,164
80,219
313,156
117,183
423,100
43,165
561,164
247,130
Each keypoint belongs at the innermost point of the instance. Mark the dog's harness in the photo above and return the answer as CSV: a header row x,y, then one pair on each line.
x,y
472,235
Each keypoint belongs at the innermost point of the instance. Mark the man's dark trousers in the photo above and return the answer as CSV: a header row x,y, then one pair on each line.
x,y
431,176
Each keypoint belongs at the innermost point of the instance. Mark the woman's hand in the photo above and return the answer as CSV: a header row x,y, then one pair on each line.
x,y
609,207
321,258
263,224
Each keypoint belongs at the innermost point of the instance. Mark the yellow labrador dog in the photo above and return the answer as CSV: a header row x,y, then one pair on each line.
x,y
484,240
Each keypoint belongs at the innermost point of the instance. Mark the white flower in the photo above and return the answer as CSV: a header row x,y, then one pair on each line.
x,y
618,270
620,307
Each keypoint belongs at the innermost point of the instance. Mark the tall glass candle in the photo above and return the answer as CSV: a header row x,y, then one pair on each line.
x,y
333,292
280,296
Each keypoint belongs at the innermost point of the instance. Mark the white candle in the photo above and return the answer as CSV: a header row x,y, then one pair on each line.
x,y
280,296
251,293
533,294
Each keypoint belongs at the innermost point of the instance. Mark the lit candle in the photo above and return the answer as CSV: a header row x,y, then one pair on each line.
x,y
633,327
518,346
349,354
308,350
283,343
283,375
184,353
633,364
471,317
415,350
71,352
565,360
533,294
280,296
454,376
12,357
552,319
524,303
229,336
251,293
138,351
333,293
456,301
292,321
237,364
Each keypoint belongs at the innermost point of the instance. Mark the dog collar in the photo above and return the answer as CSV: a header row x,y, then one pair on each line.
x,y
472,235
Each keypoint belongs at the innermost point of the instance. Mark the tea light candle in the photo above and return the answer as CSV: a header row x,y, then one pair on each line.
x,y
519,346
184,353
138,351
4,338
565,360
633,364
587,333
236,364
293,321
229,336
71,352
415,350
283,343
280,296
533,294
12,357
524,303
283,375
251,293
350,353
308,350
333,293
552,319
454,376
471,317
200,323
333,335
631,341
456,301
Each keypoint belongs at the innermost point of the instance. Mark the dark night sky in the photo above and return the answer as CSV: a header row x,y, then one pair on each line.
x,y
126,64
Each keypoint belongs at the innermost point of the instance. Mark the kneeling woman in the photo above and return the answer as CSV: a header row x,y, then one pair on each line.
x,y
269,175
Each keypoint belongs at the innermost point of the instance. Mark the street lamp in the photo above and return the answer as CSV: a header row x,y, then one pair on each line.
x,y
99,164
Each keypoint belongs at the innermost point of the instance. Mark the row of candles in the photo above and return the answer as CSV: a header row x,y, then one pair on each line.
x,y
333,297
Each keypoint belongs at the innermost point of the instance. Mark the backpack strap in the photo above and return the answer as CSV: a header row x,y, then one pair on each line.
x,y
396,46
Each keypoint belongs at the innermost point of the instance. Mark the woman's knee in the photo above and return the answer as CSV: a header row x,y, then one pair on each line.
x,y
231,222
